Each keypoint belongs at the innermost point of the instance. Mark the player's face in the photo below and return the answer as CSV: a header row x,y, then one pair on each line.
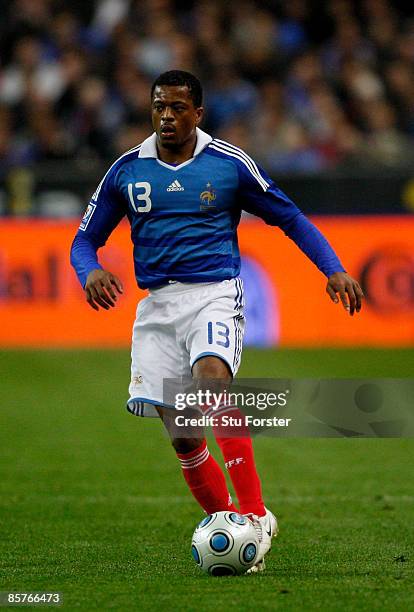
x,y
174,116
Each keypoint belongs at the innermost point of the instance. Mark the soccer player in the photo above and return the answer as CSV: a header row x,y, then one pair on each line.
x,y
183,192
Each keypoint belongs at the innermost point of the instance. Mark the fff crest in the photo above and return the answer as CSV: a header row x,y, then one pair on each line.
x,y
207,198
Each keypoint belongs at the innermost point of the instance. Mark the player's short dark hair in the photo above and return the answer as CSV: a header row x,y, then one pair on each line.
x,y
181,78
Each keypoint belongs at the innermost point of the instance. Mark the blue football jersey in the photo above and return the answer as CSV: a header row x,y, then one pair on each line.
x,y
183,217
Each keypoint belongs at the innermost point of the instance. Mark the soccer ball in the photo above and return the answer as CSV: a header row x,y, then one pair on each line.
x,y
224,544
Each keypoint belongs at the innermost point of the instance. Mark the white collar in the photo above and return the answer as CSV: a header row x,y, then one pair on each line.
x,y
149,146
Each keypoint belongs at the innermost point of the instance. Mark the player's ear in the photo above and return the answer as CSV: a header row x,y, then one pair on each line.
x,y
199,115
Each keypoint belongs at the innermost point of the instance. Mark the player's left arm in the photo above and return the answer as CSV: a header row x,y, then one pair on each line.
x,y
317,248
261,197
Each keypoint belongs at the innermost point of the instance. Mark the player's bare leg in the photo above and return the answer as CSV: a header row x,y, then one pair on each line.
x,y
182,444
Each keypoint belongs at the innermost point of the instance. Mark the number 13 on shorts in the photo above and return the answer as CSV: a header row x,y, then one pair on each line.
x,y
218,333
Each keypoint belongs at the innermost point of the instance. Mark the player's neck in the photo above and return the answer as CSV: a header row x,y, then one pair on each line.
x,y
177,155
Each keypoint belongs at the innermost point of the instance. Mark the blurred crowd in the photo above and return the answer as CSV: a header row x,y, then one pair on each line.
x,y
302,86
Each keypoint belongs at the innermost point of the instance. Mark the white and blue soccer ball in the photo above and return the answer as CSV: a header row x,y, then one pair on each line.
x,y
225,544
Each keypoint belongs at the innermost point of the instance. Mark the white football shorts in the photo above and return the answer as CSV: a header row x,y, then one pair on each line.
x,y
175,326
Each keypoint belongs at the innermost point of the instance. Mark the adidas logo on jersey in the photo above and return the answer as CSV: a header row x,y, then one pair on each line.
x,y
175,186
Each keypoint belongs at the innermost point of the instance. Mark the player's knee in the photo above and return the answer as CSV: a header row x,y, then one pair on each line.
x,y
212,368
186,445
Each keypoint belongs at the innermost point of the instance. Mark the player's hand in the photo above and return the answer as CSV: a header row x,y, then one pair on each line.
x,y
350,292
101,289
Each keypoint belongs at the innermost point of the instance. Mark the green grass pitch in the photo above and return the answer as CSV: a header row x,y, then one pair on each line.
x,y
92,502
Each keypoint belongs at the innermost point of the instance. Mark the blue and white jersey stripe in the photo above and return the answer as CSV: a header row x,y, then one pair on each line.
x,y
233,151
98,189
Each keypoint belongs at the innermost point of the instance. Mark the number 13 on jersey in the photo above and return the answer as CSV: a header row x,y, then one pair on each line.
x,y
218,333
142,196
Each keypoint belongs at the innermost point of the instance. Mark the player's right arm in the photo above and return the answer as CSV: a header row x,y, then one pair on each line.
x,y
102,215
100,289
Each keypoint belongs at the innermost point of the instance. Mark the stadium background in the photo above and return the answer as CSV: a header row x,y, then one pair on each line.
x,y
322,94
